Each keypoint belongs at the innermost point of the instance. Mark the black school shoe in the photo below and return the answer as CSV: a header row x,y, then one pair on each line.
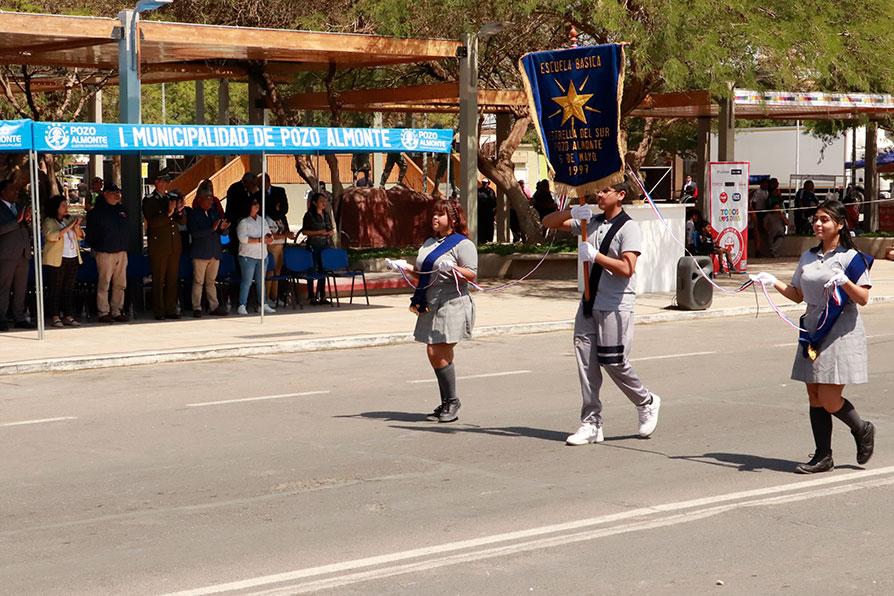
x,y
436,415
865,442
816,465
449,411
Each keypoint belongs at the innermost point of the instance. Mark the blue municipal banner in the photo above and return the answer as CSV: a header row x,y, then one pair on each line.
x,y
15,135
575,98
157,139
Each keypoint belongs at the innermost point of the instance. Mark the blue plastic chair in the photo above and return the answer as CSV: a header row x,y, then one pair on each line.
x,y
335,264
139,270
228,277
298,264
283,277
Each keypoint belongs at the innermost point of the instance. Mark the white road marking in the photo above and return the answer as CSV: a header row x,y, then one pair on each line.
x,y
555,535
41,421
245,399
499,374
671,356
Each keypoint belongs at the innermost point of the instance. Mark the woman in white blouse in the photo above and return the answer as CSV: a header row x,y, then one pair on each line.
x,y
254,236
61,258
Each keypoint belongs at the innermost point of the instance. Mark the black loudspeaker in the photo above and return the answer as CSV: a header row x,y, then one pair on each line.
x,y
693,290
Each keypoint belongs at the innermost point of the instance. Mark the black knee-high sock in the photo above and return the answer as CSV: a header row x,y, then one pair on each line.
x,y
821,424
446,382
849,416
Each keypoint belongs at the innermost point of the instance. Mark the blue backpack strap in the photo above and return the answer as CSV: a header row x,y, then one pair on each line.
x,y
419,302
810,342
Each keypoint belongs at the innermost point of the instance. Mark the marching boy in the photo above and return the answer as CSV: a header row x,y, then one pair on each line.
x,y
603,326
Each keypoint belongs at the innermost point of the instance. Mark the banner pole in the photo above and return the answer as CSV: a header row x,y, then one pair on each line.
x,y
583,232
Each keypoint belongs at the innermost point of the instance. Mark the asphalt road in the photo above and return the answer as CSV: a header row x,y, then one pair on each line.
x,y
317,473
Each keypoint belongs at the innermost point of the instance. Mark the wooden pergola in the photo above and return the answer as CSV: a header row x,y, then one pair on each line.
x,y
171,52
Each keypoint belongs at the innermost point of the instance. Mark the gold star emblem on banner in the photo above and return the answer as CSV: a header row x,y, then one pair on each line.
x,y
573,104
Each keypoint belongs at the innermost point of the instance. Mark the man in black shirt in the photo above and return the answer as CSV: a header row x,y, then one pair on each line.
x,y
108,235
487,210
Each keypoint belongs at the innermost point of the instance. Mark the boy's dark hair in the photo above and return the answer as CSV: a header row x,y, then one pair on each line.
x,y
628,188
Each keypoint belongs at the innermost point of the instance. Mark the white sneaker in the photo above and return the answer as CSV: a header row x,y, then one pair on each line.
x,y
587,433
270,303
241,310
268,308
648,416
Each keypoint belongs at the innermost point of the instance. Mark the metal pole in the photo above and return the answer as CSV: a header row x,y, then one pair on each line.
x,y
130,112
468,131
450,168
263,192
38,257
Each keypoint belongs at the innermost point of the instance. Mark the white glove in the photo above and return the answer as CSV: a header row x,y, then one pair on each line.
x,y
396,264
446,266
581,212
768,279
587,252
838,279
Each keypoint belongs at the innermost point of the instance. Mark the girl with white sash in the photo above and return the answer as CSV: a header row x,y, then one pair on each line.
x,y
833,278
445,312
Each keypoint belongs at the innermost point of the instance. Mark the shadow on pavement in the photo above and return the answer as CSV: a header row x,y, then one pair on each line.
x,y
503,431
744,462
456,428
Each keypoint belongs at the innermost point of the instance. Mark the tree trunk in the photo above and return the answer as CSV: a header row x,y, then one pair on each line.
x,y
47,165
13,166
501,170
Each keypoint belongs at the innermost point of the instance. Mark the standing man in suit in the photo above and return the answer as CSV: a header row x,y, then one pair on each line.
x,y
276,207
239,200
15,252
164,214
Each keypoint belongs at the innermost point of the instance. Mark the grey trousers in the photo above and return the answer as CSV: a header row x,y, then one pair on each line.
x,y
603,341
13,276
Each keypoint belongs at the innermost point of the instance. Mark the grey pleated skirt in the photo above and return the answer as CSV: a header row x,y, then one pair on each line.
x,y
842,358
447,322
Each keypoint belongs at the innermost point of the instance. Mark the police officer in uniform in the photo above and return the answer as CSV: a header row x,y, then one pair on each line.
x,y
164,214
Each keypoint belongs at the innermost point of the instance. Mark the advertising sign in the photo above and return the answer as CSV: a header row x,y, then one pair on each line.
x,y
157,139
15,135
728,185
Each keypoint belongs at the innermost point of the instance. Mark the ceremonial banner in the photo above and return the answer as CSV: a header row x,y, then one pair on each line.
x,y
575,100
728,185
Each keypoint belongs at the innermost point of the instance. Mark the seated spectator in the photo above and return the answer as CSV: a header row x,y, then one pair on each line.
x,y
107,234
317,226
206,226
61,259
704,245
775,224
254,236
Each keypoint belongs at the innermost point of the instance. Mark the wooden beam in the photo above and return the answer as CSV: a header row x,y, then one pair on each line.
x,y
270,41
61,46
44,26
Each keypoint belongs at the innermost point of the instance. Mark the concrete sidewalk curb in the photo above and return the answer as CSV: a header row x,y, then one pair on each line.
x,y
350,342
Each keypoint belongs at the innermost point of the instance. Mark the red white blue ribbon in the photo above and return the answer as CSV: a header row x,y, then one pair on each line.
x,y
744,286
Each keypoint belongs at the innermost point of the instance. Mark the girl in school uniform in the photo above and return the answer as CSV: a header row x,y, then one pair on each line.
x,y
445,312
833,278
